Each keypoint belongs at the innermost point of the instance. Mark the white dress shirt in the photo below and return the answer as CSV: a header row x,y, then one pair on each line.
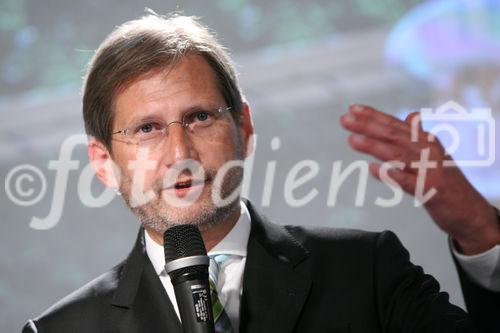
x,y
482,268
230,282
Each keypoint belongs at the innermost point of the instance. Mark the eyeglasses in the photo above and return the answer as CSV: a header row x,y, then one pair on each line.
x,y
150,133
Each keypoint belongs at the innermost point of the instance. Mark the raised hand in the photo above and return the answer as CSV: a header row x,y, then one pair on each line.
x,y
453,203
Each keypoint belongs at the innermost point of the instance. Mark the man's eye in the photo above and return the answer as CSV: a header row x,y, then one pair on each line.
x,y
146,128
202,116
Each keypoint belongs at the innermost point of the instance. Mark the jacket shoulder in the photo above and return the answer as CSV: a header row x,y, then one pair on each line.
x,y
90,301
347,246
314,237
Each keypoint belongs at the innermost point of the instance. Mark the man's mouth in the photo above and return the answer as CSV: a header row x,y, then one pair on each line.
x,y
183,184
186,184
187,187
180,185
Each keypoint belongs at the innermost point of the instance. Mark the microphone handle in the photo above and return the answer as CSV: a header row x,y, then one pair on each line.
x,y
195,305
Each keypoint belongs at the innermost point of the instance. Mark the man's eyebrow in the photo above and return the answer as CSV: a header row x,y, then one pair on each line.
x,y
198,107
157,114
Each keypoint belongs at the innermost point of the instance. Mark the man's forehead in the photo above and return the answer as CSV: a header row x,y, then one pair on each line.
x,y
190,83
191,69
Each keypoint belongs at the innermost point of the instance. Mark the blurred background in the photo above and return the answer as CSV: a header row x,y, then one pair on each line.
x,y
301,64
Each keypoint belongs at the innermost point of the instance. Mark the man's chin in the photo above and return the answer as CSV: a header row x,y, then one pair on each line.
x,y
202,213
185,215
170,209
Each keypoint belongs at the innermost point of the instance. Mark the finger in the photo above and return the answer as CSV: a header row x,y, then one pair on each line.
x,y
382,150
381,126
374,129
414,121
413,118
373,115
407,181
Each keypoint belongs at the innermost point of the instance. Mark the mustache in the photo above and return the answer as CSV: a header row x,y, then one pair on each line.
x,y
184,172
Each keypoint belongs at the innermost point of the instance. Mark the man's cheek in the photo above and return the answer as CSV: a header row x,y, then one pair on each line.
x,y
141,182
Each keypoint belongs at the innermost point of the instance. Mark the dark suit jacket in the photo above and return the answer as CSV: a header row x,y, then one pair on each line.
x,y
296,279
483,305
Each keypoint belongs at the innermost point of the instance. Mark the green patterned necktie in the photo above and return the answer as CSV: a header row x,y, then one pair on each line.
x,y
221,319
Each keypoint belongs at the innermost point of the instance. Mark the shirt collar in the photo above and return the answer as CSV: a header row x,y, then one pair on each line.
x,y
234,243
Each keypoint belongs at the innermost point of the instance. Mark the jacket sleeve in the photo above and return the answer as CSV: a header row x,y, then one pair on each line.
x,y
483,305
409,300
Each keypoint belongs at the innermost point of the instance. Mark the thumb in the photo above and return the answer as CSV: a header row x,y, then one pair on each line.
x,y
415,123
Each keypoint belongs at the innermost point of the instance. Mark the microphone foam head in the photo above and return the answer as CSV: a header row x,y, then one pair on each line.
x,y
183,241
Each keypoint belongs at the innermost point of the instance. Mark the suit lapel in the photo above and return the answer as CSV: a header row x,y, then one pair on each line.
x,y
140,303
273,292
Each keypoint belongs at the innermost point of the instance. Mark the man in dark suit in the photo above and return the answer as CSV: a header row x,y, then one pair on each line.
x,y
296,280
167,122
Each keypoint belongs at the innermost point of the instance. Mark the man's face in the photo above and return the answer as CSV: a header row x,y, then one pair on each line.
x,y
163,97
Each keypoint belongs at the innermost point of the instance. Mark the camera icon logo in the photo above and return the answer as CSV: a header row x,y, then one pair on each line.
x,y
468,136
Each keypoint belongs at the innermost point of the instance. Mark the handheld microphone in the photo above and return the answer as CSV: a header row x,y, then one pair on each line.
x,y
186,262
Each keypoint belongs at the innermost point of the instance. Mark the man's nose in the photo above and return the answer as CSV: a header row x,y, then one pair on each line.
x,y
178,145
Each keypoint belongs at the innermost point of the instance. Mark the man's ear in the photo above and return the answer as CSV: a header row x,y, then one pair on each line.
x,y
102,163
246,129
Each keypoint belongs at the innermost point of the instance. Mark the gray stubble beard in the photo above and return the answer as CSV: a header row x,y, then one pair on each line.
x,y
155,214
